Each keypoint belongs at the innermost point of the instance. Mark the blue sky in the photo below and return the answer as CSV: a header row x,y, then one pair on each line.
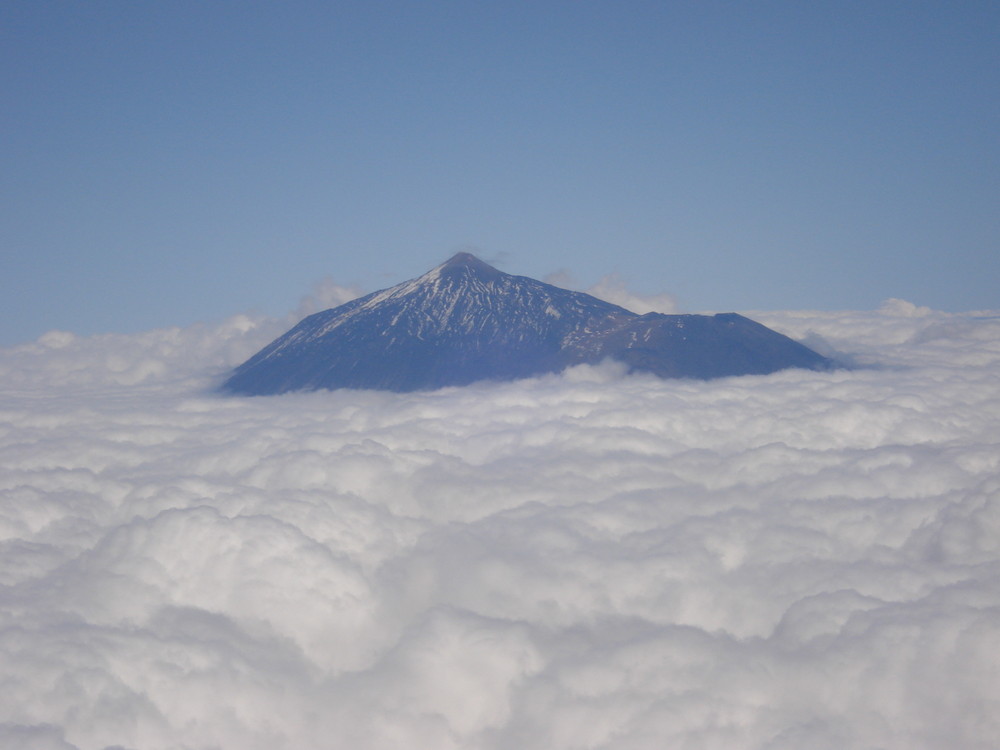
x,y
163,164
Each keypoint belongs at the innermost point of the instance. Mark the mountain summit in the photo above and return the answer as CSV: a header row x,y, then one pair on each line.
x,y
465,321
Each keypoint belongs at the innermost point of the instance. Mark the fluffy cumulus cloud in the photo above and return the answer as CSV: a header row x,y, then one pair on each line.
x,y
590,560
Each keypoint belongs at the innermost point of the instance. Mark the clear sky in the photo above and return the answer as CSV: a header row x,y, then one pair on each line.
x,y
167,163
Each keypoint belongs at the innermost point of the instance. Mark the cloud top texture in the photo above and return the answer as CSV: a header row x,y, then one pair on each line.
x,y
588,560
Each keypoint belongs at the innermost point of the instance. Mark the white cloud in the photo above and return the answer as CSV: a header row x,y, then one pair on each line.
x,y
325,295
588,560
613,288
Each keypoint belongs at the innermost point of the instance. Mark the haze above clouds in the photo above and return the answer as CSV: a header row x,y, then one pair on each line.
x,y
589,560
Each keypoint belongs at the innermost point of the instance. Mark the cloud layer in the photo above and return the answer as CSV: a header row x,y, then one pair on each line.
x,y
589,560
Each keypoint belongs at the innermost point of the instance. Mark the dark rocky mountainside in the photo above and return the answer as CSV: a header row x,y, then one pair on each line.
x,y
466,321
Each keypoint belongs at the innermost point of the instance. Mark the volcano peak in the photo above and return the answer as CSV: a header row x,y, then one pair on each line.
x,y
465,321
464,263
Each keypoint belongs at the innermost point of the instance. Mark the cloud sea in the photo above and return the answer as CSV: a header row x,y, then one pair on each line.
x,y
586,560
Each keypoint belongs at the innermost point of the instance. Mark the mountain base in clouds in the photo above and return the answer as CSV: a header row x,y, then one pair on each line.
x,y
465,321
575,560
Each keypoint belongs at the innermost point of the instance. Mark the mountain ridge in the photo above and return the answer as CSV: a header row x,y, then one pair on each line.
x,y
465,321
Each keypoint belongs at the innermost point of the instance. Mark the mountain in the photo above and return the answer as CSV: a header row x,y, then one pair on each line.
x,y
466,321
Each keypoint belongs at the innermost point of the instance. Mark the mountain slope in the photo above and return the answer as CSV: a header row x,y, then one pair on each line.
x,y
466,321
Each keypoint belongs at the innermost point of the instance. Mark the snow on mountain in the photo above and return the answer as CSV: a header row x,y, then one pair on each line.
x,y
465,321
